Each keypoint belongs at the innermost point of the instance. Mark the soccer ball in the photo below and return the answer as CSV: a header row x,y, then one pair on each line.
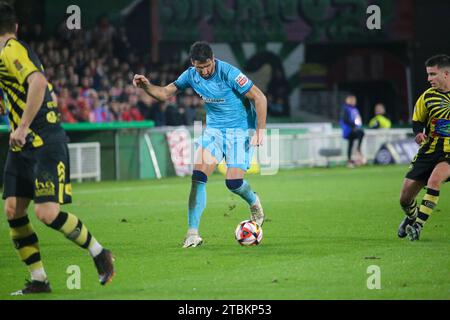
x,y
248,233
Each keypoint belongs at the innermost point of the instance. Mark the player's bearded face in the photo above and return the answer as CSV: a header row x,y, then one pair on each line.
x,y
205,69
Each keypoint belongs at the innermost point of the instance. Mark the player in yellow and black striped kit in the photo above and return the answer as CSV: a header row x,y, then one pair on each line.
x,y
37,165
431,165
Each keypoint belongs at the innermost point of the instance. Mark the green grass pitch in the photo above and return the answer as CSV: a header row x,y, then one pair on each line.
x,y
324,229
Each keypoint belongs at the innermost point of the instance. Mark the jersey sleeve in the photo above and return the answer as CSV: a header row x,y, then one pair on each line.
x,y
17,61
420,110
238,81
182,83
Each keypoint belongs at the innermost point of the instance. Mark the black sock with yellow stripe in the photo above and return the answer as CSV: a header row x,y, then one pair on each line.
x,y
410,210
75,230
427,206
27,245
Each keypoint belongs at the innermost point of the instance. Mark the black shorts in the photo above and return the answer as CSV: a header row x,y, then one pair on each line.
x,y
423,165
41,174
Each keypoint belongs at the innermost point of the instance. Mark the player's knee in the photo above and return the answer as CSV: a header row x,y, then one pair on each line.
x,y
405,200
41,215
404,203
47,213
234,184
199,176
10,210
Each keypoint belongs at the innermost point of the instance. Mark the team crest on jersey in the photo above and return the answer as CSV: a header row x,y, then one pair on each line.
x,y
18,65
241,80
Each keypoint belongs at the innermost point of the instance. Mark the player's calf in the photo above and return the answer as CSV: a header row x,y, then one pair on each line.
x,y
74,230
243,189
196,206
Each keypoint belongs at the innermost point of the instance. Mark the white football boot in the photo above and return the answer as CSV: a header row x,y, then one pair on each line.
x,y
257,213
192,239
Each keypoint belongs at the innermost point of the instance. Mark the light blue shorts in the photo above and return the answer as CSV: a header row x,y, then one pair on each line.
x,y
231,144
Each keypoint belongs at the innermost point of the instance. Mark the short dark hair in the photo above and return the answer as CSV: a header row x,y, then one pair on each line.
x,y
201,51
440,61
8,18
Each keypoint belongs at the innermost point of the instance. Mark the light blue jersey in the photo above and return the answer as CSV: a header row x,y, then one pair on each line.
x,y
224,96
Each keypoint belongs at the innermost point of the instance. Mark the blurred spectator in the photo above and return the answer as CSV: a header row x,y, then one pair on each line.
x,y
115,110
278,88
200,112
351,124
186,105
129,113
103,34
133,111
66,105
158,113
100,111
173,115
145,103
276,108
380,120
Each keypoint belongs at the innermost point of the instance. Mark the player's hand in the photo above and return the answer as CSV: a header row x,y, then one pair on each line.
x,y
420,137
258,138
140,81
17,138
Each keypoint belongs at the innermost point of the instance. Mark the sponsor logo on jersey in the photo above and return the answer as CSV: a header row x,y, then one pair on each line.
x,y
241,80
212,100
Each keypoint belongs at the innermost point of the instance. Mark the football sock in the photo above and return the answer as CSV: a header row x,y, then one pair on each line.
x,y
427,206
27,245
76,231
197,199
410,210
243,189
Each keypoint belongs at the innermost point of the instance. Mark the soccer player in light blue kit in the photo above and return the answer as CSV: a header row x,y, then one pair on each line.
x,y
236,112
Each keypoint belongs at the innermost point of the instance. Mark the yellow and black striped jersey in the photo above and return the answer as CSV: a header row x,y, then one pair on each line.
x,y
17,62
433,110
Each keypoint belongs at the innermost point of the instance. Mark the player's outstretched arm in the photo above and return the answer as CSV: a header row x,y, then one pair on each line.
x,y
156,92
37,84
260,102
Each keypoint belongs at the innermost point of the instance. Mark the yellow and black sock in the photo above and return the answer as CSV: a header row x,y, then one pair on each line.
x,y
429,202
410,209
27,245
75,230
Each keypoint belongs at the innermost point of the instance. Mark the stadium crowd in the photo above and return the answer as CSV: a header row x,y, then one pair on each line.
x,y
91,72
